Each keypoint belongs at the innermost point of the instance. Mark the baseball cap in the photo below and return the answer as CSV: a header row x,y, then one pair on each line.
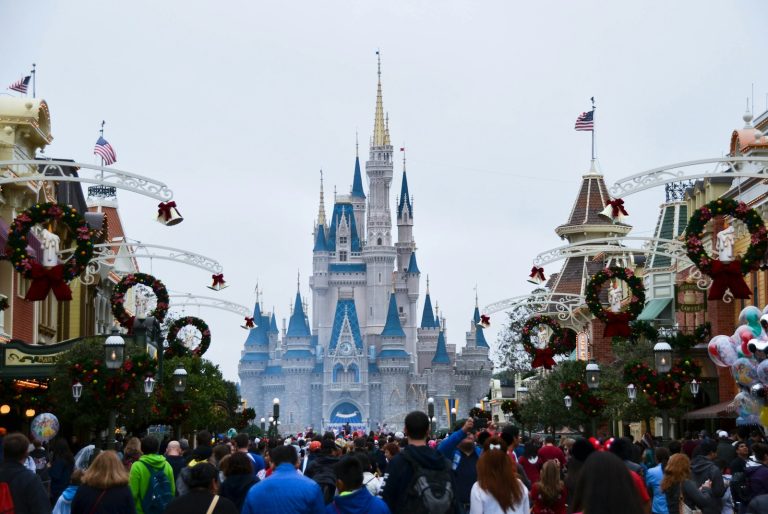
x,y
722,434
399,435
314,446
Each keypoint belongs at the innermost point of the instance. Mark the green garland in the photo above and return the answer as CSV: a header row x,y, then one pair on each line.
x,y
122,287
662,390
635,284
721,207
176,348
583,398
112,386
562,342
40,213
679,342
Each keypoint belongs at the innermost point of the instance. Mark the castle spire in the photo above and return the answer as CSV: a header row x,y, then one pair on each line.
x,y
379,129
441,352
321,209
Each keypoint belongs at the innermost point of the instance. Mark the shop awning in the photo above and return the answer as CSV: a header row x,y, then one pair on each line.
x,y
653,309
717,411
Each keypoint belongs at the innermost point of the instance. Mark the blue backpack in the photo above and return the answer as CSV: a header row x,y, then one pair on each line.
x,y
158,494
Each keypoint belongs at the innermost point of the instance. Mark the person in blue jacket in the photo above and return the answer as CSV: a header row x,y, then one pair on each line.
x,y
285,491
461,450
352,497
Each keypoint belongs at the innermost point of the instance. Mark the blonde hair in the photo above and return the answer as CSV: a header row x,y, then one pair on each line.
x,y
133,446
106,471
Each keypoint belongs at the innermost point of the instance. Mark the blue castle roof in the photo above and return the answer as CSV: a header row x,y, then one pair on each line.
x,y
413,267
479,335
428,317
357,181
273,370
343,209
297,326
392,328
345,310
405,197
298,354
320,243
393,354
441,354
254,357
257,336
273,325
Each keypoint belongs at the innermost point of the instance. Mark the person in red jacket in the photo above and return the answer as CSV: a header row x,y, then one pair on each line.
x,y
549,451
549,495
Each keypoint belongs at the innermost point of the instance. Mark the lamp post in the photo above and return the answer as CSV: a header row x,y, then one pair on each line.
x,y
452,418
662,358
431,414
695,387
568,402
592,375
179,386
631,392
114,350
77,390
276,413
263,426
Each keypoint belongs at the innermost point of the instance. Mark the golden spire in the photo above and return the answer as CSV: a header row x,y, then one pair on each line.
x,y
321,210
379,130
386,131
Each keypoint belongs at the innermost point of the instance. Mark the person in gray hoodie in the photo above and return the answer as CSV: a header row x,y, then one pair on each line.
x,y
703,468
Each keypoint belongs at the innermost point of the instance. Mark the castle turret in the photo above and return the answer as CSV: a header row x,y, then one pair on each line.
x,y
357,197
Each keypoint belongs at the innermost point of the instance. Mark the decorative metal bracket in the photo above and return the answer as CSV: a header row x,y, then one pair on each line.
x,y
190,300
566,307
748,167
614,245
54,171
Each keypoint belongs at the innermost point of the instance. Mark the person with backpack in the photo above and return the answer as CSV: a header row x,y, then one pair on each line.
x,y
286,490
419,479
104,488
498,490
353,497
461,450
242,444
321,469
202,497
151,479
21,490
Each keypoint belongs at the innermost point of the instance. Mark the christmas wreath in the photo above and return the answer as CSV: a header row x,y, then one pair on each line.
x,y
112,385
562,342
45,280
616,323
726,275
662,390
177,348
582,397
122,287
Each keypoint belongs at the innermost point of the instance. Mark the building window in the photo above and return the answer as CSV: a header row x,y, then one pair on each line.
x,y
342,240
378,241
343,256
401,310
22,286
379,278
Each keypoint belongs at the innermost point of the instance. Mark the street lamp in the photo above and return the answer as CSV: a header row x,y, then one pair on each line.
x,y
263,426
77,390
114,349
276,413
149,386
662,355
631,392
452,418
695,387
593,375
180,379
568,402
431,413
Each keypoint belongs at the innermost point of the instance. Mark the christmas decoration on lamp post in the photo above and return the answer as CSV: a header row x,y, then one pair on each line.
x,y
726,271
616,323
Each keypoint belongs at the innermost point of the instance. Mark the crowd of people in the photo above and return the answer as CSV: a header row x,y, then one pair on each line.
x,y
470,471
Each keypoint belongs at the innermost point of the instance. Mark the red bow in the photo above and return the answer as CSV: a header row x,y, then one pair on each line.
x,y
544,358
601,447
164,209
485,321
249,322
617,207
218,279
45,280
727,276
537,272
617,324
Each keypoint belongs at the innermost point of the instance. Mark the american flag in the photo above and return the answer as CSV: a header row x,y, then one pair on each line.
x,y
105,151
20,85
585,121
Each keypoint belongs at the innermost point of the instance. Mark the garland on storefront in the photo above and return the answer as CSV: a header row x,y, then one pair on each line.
x,y
726,275
107,385
176,348
45,280
616,323
663,390
122,287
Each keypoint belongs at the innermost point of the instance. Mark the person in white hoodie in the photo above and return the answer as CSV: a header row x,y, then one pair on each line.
x,y
64,503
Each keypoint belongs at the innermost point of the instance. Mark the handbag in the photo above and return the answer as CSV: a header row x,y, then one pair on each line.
x,y
685,509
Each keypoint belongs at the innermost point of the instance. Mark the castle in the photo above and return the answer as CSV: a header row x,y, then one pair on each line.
x,y
365,360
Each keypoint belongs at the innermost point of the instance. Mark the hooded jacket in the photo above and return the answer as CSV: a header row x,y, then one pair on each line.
x,y
358,502
139,477
64,503
400,473
704,469
758,479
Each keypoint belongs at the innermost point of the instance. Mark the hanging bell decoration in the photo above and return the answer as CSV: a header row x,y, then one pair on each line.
x,y
485,321
218,282
249,324
536,276
168,214
614,210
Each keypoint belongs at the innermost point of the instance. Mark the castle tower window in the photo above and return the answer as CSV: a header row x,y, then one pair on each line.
x,y
342,240
378,241
343,256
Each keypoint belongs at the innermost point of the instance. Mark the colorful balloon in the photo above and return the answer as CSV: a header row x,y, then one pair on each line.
x,y
764,416
744,372
44,427
722,351
750,316
762,372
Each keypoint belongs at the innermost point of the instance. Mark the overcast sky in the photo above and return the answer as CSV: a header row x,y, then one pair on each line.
x,y
237,105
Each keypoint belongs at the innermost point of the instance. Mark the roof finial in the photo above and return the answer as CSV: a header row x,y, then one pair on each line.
x,y
379,133
403,150
476,304
321,210
256,290
357,146
747,117
427,284
298,280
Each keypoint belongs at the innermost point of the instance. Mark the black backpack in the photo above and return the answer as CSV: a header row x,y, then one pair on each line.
x,y
326,479
430,490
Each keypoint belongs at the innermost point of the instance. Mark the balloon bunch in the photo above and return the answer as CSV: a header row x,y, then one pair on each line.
x,y
745,353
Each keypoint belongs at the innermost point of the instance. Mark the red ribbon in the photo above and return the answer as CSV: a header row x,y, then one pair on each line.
x,y
544,358
617,207
45,280
164,209
249,322
617,324
218,279
537,272
727,276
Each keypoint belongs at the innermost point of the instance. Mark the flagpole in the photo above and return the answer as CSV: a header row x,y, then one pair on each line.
x,y
593,128
101,132
34,80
